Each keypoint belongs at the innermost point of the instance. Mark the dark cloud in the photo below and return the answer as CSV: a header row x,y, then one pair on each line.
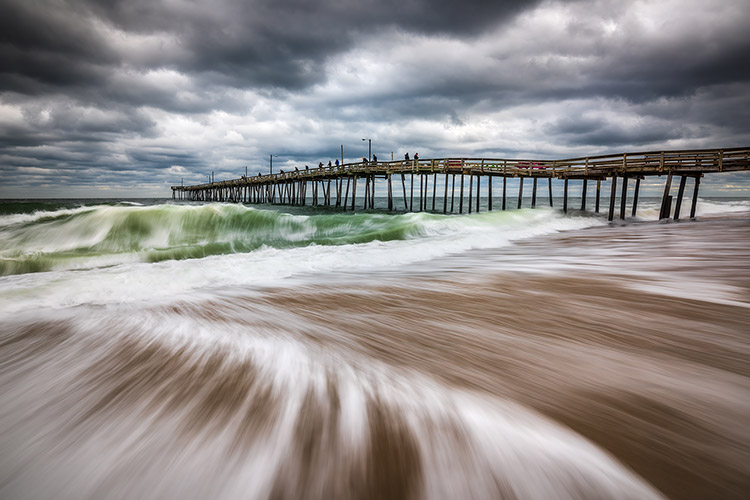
x,y
165,88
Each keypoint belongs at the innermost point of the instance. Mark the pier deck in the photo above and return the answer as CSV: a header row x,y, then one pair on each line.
x,y
291,187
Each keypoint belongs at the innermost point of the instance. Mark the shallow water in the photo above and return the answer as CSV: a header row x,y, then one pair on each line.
x,y
517,355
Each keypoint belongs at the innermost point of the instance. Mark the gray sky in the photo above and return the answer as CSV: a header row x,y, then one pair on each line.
x,y
125,98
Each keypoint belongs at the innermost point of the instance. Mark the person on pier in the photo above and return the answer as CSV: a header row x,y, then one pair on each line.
x,y
406,156
416,156
374,158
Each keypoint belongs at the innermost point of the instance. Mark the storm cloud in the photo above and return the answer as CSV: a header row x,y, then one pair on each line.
x,y
142,94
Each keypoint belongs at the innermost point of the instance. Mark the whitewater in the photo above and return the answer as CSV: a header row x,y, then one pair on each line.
x,y
151,349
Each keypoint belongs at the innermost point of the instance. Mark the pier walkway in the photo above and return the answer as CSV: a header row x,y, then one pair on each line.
x,y
337,185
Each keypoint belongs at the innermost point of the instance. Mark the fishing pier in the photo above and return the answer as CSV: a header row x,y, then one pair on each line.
x,y
337,186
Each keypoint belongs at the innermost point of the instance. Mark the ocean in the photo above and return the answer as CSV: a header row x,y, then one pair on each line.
x,y
162,349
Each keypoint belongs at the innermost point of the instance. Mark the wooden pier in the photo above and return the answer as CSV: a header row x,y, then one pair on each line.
x,y
337,185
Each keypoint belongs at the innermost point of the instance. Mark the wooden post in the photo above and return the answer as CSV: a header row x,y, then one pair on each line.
x,y
421,189
666,200
372,196
505,181
411,192
489,193
346,194
471,189
635,195
367,192
598,193
520,192
680,192
623,196
390,193
533,193
354,191
434,187
453,191
550,191
583,194
612,196
445,195
479,184
461,196
695,197
565,196
403,184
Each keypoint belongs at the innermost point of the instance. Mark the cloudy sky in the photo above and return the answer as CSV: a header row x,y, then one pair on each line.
x,y
127,97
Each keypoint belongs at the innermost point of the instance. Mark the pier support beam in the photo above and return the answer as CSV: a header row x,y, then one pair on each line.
x,y
549,183
434,188
583,194
489,193
479,184
453,191
598,193
636,192
623,197
461,196
565,196
533,193
612,196
505,181
680,193
403,185
695,197
666,200
471,190
520,192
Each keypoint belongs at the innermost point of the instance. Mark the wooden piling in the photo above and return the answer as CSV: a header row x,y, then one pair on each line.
x,y
453,192
623,196
583,194
565,196
635,195
505,181
403,185
549,183
461,196
479,185
520,191
445,195
533,193
434,187
598,194
695,196
471,190
354,191
612,197
411,193
666,200
489,193
680,192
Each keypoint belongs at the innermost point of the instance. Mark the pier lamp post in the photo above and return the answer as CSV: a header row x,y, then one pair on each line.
x,y
271,158
369,149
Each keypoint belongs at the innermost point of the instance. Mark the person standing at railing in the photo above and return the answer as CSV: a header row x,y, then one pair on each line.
x,y
406,156
374,158
337,162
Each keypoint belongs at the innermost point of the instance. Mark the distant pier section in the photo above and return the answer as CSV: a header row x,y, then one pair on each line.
x,y
336,186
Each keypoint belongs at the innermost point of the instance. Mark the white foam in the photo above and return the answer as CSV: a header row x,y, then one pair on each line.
x,y
271,266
